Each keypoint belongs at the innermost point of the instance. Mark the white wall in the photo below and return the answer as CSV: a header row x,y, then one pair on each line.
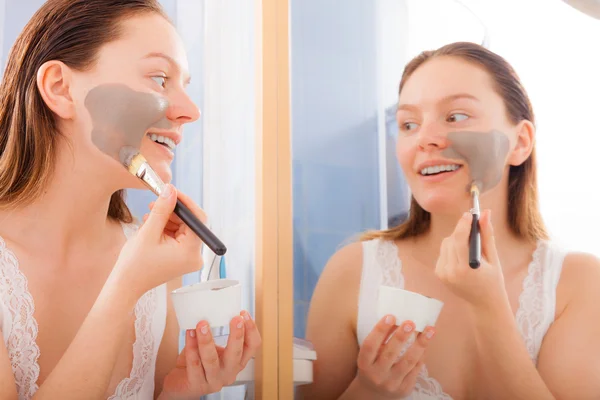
x,y
555,50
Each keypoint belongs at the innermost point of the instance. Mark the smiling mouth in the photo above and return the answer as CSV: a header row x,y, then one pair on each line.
x,y
439,169
162,140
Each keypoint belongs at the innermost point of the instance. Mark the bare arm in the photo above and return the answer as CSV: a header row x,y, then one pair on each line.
x,y
331,325
85,370
169,347
8,388
506,364
569,360
568,366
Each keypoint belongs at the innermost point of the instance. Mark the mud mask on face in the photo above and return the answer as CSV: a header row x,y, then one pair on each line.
x,y
121,117
485,153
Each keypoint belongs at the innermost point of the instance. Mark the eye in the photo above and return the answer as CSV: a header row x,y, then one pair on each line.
x,y
407,126
457,117
161,80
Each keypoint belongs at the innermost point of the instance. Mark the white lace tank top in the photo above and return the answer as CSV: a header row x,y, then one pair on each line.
x,y
537,302
20,329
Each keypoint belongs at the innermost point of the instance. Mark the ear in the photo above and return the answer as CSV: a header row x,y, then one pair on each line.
x,y
53,82
525,141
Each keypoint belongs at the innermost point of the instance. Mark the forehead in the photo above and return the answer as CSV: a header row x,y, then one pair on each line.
x,y
145,34
445,76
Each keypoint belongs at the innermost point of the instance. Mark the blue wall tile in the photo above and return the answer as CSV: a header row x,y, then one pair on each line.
x,y
300,313
334,134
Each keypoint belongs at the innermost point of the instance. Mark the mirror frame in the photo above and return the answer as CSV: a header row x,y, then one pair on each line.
x,y
274,230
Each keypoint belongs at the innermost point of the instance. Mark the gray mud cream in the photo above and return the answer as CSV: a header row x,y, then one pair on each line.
x,y
121,116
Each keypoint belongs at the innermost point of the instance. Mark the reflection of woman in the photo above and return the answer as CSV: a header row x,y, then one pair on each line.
x,y
522,326
84,313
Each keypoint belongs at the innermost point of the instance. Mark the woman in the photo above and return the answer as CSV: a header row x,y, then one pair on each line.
x,y
522,326
86,313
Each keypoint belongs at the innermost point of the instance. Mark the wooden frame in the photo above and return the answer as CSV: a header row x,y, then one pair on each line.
x,y
274,241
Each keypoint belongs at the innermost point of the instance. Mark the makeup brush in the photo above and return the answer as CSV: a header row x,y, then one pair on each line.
x,y
137,165
475,235
485,154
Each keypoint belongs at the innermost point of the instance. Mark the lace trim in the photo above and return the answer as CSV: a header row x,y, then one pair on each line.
x,y
23,352
391,268
143,348
129,229
530,314
428,386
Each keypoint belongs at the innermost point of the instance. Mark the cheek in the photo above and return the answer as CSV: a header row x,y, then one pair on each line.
x,y
405,152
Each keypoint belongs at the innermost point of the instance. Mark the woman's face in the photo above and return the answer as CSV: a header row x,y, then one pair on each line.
x,y
443,95
148,58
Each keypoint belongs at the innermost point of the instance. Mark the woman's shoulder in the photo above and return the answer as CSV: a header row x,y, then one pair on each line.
x,y
573,266
579,279
343,268
580,269
345,265
345,257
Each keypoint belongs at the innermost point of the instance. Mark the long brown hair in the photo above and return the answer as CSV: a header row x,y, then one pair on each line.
x,y
70,31
524,216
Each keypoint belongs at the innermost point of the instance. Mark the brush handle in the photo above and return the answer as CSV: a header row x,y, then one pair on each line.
x,y
475,243
209,238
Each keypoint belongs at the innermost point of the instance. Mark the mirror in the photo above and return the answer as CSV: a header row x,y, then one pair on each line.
x,y
346,63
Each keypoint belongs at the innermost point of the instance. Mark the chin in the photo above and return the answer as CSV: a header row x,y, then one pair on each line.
x,y
443,203
158,158
162,168
130,181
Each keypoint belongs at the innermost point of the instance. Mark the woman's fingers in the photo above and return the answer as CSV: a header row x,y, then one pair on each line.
x,y
232,355
209,357
413,355
461,240
194,369
195,208
410,380
369,349
171,227
252,339
390,352
174,220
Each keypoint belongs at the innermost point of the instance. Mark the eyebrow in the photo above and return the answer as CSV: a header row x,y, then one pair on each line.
x,y
171,61
447,99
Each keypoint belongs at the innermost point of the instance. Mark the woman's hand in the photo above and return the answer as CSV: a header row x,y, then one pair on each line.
x,y
386,368
203,367
162,249
482,287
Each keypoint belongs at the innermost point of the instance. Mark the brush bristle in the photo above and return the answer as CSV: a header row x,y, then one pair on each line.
x,y
136,163
131,158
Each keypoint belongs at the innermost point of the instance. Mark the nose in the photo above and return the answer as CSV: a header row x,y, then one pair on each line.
x,y
432,137
182,109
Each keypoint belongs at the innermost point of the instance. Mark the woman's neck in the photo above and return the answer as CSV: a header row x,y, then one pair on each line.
x,y
511,249
71,212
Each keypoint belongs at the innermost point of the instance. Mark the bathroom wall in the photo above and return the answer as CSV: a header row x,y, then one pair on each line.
x,y
346,63
334,134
